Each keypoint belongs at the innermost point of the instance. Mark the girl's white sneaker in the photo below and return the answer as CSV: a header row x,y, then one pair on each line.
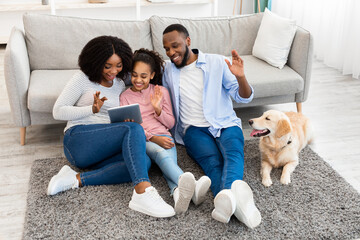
x,y
201,188
184,192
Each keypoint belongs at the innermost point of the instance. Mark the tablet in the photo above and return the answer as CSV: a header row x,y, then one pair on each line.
x,y
120,114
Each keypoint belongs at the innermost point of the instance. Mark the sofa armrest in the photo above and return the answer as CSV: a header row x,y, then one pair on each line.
x,y
17,76
300,59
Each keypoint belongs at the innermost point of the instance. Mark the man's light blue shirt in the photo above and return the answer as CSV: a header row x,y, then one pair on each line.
x,y
219,86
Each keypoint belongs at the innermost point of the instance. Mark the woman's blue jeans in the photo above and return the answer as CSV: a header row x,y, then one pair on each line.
x,y
221,158
166,159
114,152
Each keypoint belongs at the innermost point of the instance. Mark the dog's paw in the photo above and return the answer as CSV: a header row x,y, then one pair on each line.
x,y
267,182
285,179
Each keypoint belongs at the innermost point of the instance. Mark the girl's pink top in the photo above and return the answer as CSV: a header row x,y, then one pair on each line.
x,y
152,123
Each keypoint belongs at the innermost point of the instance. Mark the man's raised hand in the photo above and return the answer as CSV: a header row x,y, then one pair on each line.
x,y
98,102
237,66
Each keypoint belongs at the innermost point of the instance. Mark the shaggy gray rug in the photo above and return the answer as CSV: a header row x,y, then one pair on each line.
x,y
318,204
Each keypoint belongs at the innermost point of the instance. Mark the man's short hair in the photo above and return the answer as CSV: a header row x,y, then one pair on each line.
x,y
176,27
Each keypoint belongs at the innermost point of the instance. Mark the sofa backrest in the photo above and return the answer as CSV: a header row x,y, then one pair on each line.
x,y
212,35
55,42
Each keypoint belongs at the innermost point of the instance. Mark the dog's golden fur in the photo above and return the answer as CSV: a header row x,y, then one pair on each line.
x,y
282,137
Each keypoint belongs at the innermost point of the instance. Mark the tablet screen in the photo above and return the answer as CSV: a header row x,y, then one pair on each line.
x,y
121,113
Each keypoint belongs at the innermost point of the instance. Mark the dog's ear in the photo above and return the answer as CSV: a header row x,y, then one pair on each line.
x,y
283,127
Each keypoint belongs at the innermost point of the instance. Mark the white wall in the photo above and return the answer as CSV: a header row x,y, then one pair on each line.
x,y
9,19
226,7
129,13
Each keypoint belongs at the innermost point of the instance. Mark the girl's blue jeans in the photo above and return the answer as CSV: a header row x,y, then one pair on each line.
x,y
166,159
221,158
115,153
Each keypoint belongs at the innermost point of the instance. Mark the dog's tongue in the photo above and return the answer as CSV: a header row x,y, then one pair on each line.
x,y
254,132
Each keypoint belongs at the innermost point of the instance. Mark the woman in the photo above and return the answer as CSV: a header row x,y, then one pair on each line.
x,y
115,152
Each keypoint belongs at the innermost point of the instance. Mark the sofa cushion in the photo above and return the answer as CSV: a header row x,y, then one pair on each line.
x,y
45,87
244,30
210,35
55,42
271,81
274,39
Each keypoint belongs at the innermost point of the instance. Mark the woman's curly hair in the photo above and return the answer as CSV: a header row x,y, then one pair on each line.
x,y
97,51
154,60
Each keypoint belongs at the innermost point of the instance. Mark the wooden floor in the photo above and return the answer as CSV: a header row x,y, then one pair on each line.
x,y
333,106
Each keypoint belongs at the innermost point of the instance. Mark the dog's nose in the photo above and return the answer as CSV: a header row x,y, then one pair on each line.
x,y
251,122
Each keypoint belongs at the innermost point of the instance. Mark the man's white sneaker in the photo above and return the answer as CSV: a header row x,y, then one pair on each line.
x,y
184,192
201,188
151,203
225,205
246,211
64,180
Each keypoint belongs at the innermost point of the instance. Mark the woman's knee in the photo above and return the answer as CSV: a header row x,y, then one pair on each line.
x,y
69,156
136,129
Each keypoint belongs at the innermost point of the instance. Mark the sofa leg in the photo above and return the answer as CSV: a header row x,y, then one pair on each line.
x,y
22,136
299,107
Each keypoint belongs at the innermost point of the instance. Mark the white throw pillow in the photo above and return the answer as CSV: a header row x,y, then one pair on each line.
x,y
274,39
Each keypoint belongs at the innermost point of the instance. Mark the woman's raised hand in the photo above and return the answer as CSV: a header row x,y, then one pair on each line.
x,y
155,99
98,102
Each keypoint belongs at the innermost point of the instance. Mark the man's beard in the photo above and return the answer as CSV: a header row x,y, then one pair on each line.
x,y
183,62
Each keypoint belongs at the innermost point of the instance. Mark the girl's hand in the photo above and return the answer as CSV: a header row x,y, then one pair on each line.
x,y
162,141
156,99
98,102
237,66
129,120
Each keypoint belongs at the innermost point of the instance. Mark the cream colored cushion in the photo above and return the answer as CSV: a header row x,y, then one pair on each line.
x,y
274,39
55,42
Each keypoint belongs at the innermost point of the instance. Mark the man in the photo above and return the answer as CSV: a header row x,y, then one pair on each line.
x,y
200,86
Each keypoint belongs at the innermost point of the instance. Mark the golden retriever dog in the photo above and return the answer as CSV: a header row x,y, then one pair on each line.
x,y
282,137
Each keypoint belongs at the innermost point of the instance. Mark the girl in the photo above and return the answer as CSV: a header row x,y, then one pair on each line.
x,y
115,152
156,112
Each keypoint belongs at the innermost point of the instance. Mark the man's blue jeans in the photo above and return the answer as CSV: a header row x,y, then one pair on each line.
x,y
166,159
221,158
115,152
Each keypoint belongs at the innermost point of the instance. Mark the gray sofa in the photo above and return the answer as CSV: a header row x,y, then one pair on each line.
x,y
39,62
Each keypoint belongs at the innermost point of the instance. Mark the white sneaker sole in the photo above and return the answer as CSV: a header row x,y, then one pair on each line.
x,y
201,188
224,207
186,186
141,209
246,211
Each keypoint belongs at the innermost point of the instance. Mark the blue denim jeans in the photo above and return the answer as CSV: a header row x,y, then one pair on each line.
x,y
114,152
166,159
221,158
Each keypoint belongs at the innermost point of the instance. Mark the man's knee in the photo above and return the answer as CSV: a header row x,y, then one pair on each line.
x,y
232,137
233,132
